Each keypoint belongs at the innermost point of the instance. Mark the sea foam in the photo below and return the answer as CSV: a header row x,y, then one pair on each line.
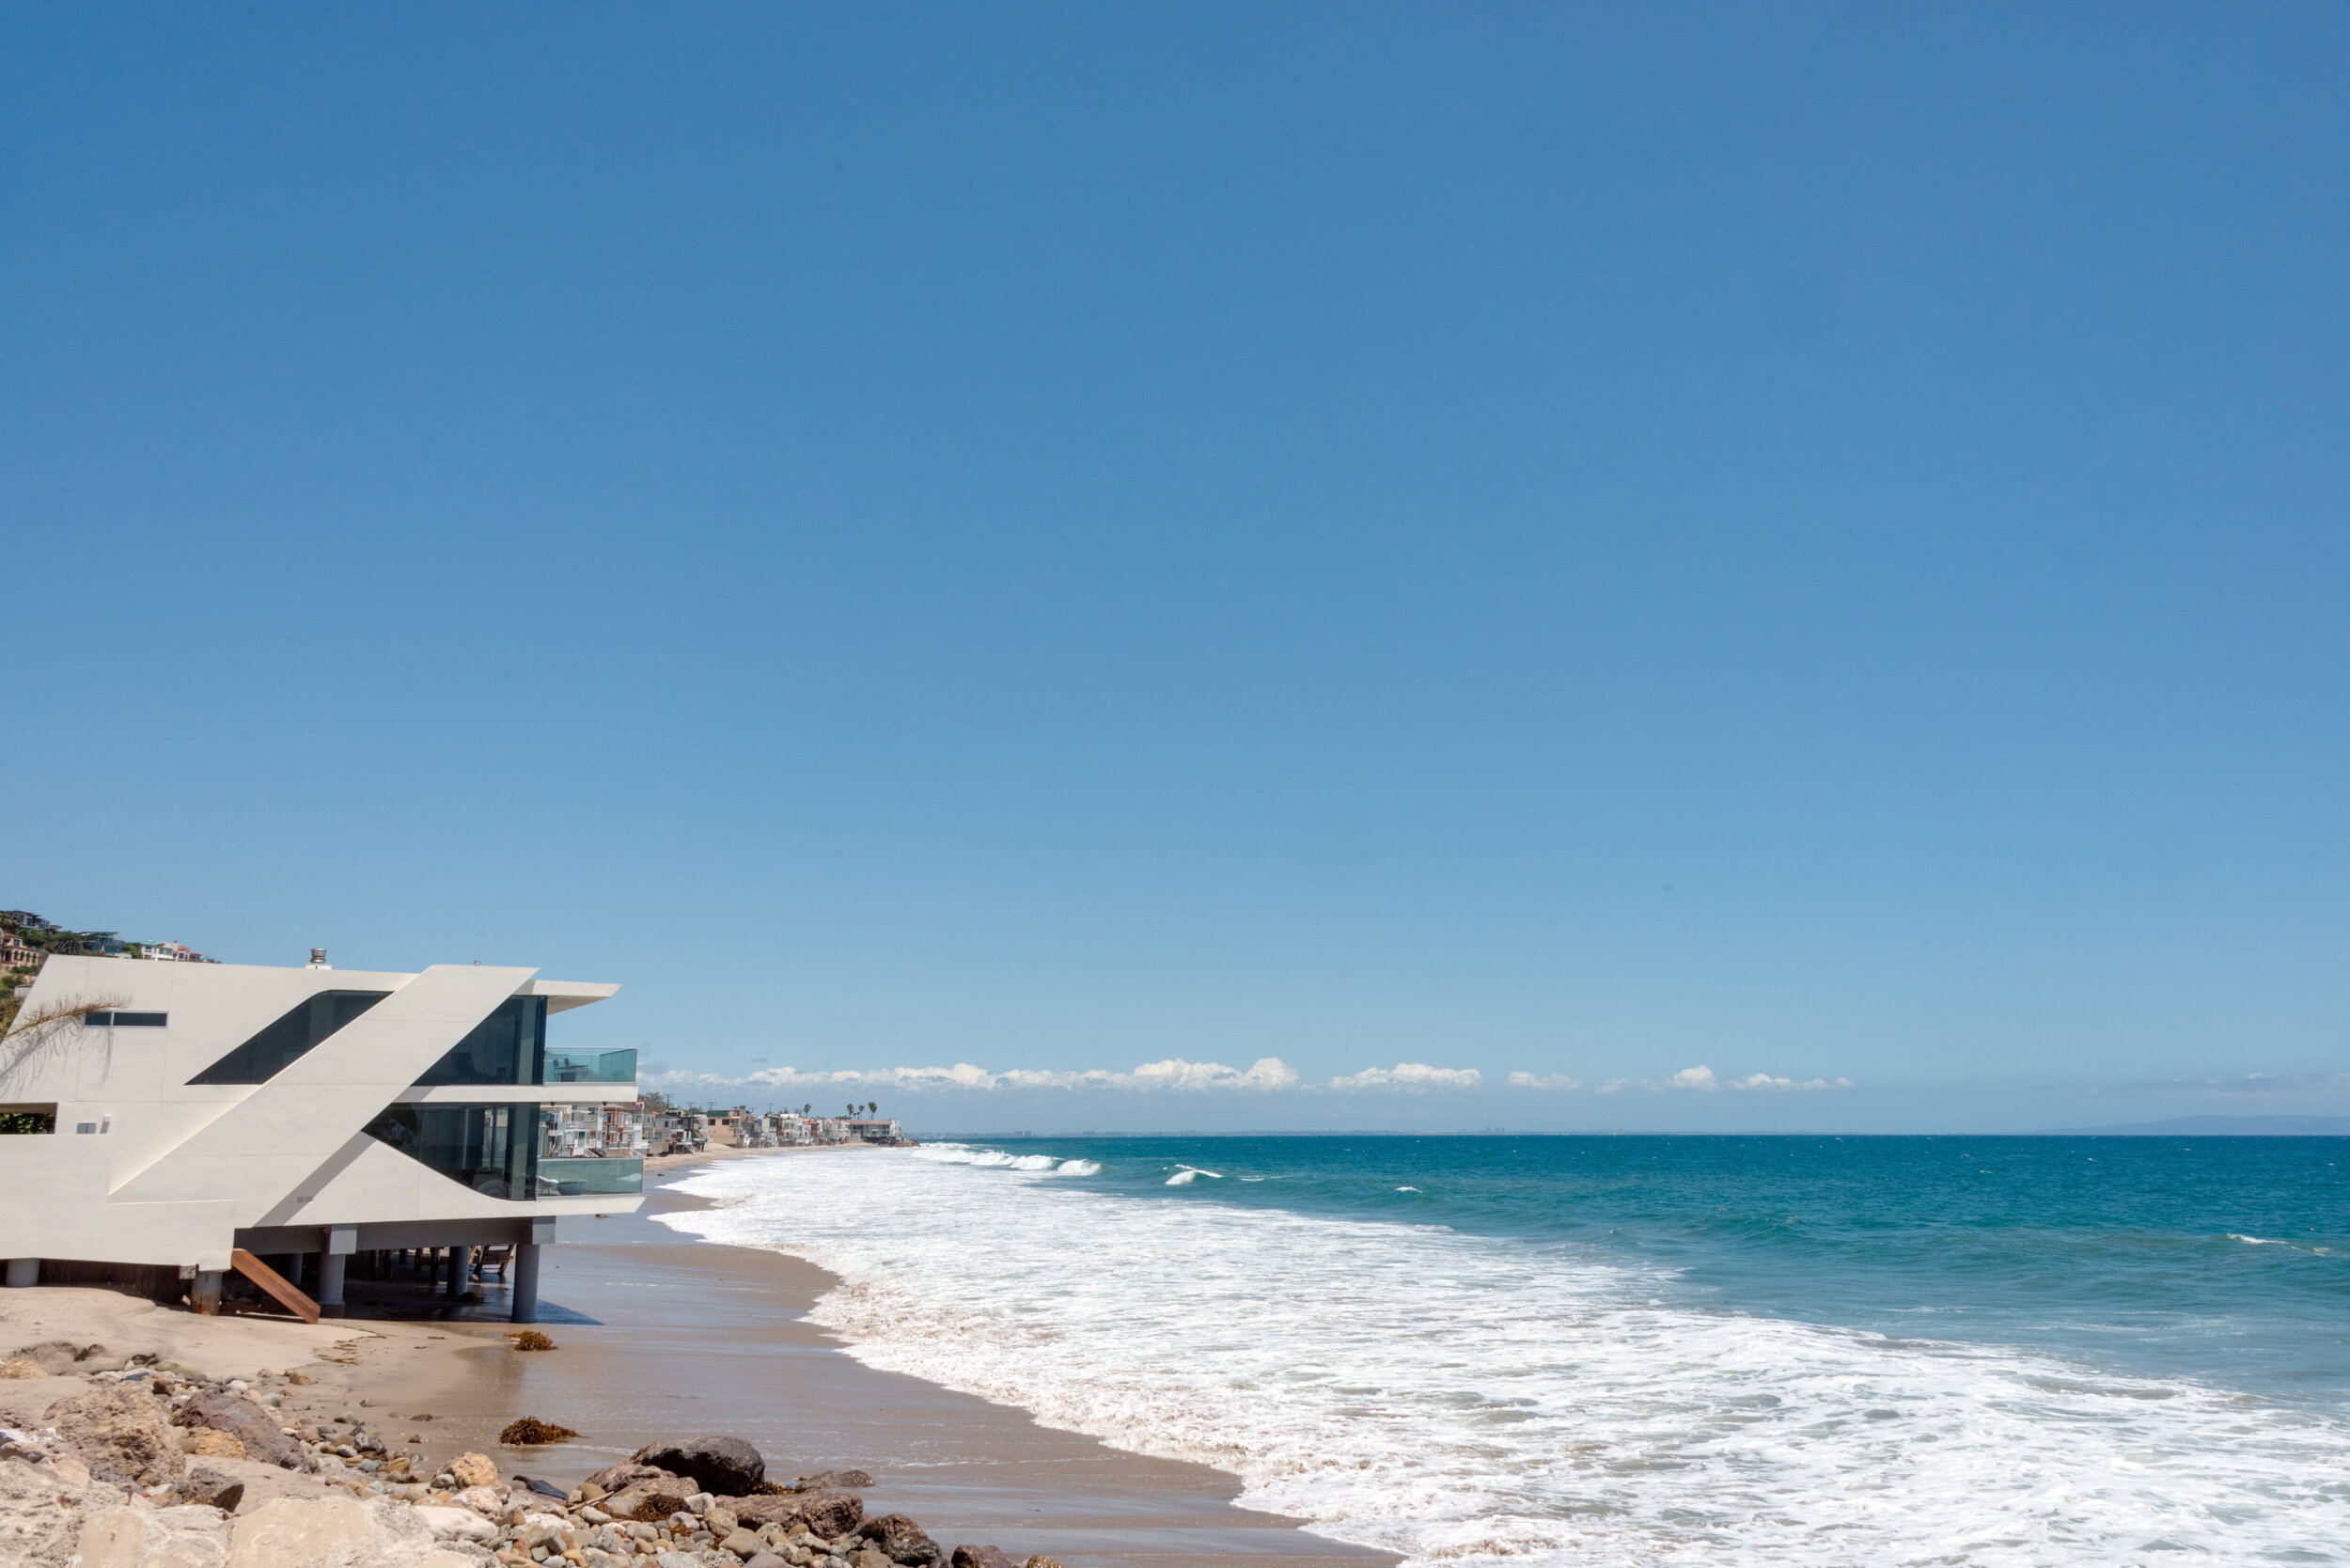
x,y
1463,1398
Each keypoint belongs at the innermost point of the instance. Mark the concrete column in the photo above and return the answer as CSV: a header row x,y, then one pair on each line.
x,y
527,1282
341,1242
459,1269
23,1272
204,1295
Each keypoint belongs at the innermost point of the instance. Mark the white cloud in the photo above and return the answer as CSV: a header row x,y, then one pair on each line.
x,y
1410,1074
1268,1073
1703,1080
1544,1080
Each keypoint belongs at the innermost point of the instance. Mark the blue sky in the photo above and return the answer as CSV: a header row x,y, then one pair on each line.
x,y
1586,542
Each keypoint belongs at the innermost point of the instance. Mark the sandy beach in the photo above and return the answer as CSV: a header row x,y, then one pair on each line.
x,y
662,1337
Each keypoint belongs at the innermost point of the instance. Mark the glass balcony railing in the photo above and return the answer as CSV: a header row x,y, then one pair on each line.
x,y
580,1178
591,1067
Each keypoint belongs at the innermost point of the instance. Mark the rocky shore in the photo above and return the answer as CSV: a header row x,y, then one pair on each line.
x,y
145,1464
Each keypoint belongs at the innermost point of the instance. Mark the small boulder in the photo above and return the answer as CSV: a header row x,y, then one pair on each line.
x,y
765,1560
118,1435
981,1557
901,1540
206,1442
212,1490
834,1480
474,1469
20,1366
253,1427
727,1467
1040,1561
741,1543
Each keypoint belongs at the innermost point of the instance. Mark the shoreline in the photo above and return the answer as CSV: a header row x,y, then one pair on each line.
x,y
662,1335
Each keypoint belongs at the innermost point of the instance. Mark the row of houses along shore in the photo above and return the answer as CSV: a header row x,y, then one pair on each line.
x,y
654,1126
207,1132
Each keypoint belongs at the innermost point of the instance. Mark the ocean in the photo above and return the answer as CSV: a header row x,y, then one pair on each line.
x,y
1631,1350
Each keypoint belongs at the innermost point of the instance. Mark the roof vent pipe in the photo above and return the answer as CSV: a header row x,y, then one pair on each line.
x,y
318,960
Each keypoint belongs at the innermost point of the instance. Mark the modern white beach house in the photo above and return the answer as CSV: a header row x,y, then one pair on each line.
x,y
208,1116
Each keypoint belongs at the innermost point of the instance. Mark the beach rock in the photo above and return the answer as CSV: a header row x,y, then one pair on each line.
x,y
900,1540
188,1537
764,1559
981,1557
207,1443
22,1367
830,1515
212,1489
483,1500
474,1469
118,1435
253,1427
1040,1561
649,1501
613,1477
343,1532
457,1524
39,1517
834,1480
64,1359
677,1560
727,1467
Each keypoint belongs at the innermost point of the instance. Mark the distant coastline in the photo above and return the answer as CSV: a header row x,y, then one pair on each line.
x,y
2216,1126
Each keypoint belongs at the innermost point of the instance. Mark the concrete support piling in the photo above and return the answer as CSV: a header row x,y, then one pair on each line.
x,y
527,1282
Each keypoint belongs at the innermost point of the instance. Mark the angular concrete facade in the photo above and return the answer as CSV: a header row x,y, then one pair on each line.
x,y
215,1106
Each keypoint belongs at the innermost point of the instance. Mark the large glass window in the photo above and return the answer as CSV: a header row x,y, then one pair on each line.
x,y
507,1047
565,1177
276,1047
491,1149
591,1067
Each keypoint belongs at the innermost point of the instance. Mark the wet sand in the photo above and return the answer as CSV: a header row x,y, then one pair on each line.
x,y
662,1337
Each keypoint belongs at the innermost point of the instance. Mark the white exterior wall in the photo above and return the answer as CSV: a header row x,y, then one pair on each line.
x,y
181,1167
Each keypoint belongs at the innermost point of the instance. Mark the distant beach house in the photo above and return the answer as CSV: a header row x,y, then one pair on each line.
x,y
176,1114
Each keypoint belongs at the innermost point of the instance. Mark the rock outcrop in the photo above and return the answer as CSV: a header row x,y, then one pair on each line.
x,y
118,1434
726,1467
834,1480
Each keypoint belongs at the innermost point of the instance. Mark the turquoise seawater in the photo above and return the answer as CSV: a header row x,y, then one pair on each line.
x,y
2226,1259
